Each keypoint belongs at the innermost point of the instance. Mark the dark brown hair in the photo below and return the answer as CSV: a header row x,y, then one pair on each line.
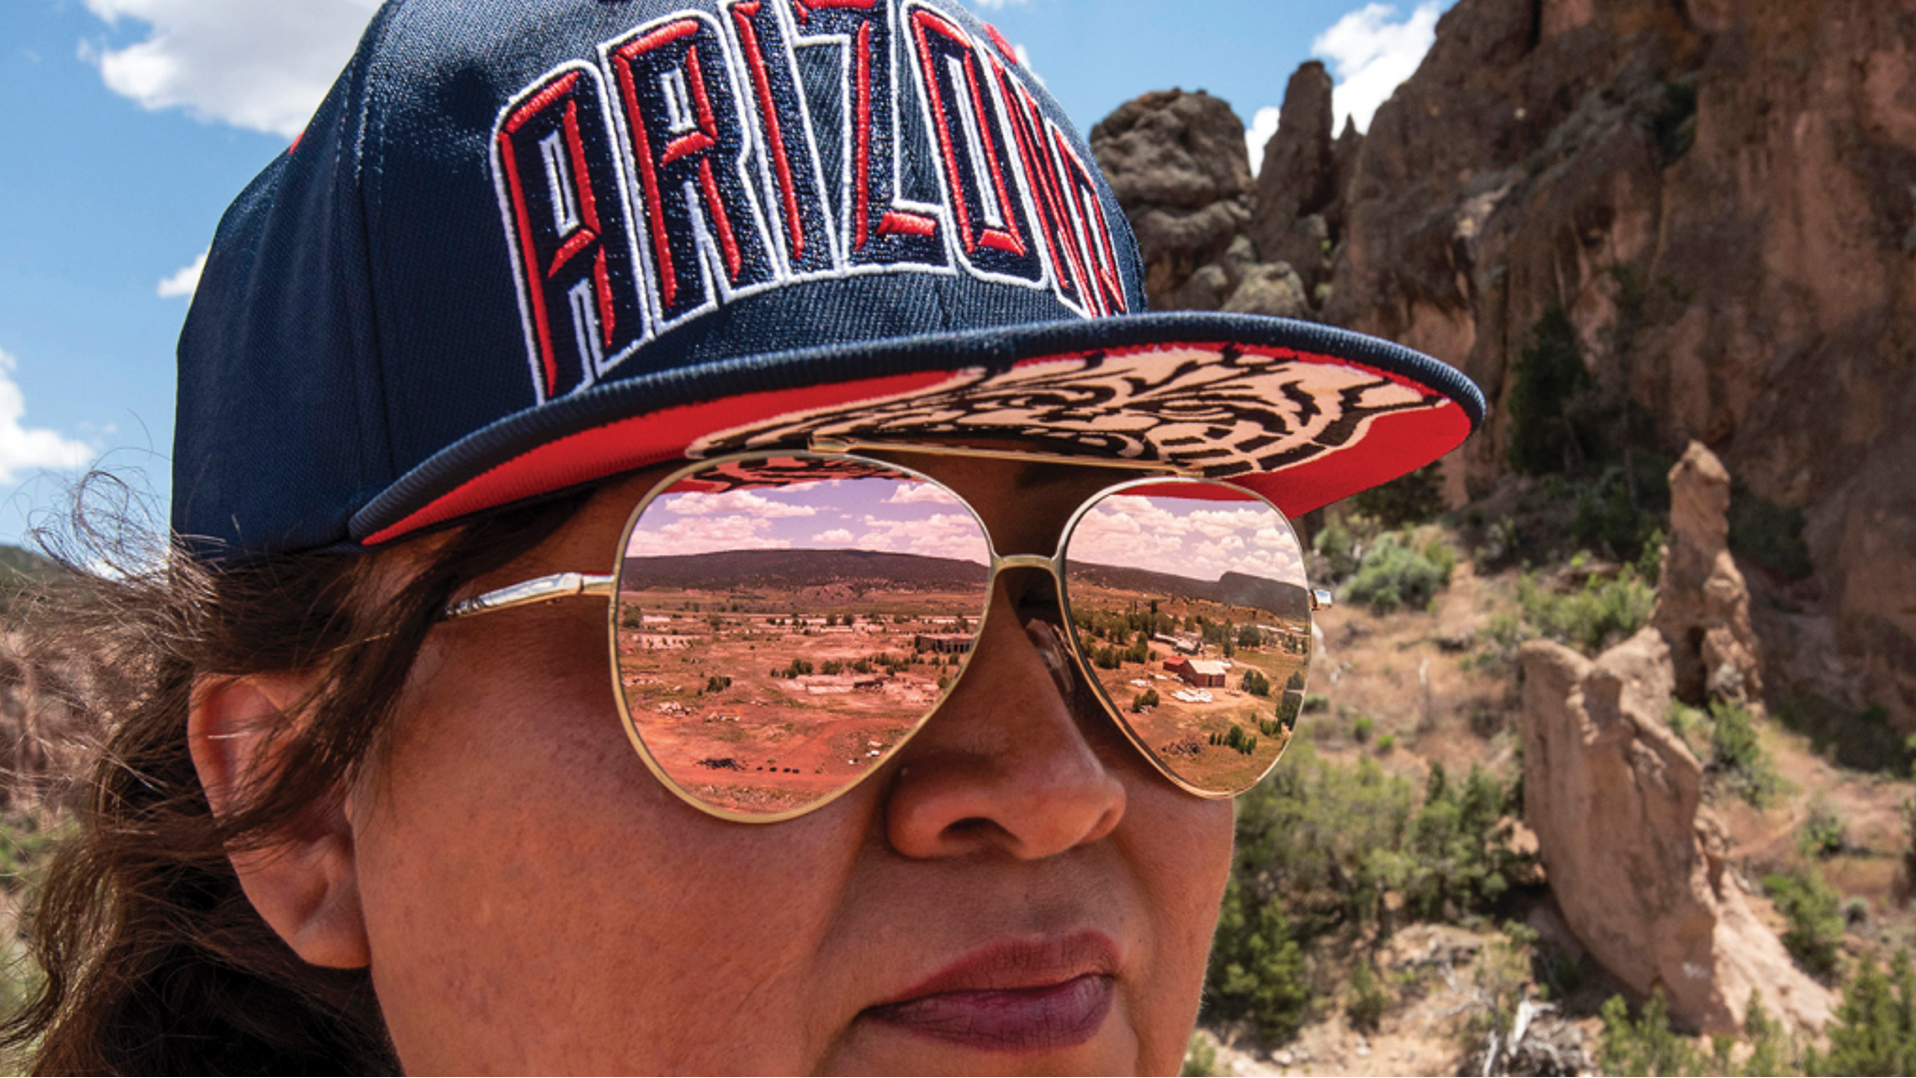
x,y
154,961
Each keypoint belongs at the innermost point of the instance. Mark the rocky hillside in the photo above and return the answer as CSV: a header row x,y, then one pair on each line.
x,y
1635,223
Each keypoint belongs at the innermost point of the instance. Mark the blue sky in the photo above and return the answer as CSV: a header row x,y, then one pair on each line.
x,y
132,123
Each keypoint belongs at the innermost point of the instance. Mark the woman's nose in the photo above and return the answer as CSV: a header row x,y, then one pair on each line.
x,y
1007,764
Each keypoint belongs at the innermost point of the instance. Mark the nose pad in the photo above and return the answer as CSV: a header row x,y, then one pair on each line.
x,y
1033,596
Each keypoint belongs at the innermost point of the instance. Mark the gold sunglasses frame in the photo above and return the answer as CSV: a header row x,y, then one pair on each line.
x,y
574,584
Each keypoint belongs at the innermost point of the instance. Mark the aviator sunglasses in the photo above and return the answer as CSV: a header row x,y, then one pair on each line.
x,y
781,623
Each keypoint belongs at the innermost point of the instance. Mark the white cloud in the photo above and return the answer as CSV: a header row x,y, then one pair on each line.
x,y
920,494
1168,535
742,503
260,66
26,449
1371,55
835,537
946,535
183,281
1263,126
704,535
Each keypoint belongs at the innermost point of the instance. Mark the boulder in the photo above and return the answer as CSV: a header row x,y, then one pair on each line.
x,y
1703,603
1178,165
1635,862
1271,288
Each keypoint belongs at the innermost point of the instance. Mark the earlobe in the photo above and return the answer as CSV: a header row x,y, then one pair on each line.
x,y
304,880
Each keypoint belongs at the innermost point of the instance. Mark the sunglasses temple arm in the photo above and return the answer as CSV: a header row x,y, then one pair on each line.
x,y
541,590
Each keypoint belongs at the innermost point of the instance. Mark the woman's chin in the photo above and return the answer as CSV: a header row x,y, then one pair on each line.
x,y
1076,1028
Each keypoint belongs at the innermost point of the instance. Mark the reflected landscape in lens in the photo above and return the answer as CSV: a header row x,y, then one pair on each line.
x,y
1194,616
782,626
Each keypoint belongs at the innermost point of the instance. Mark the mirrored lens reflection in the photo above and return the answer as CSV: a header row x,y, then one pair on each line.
x,y
1190,606
782,624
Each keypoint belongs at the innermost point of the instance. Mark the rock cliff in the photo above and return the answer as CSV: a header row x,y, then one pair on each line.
x,y
1720,196
1635,862
1703,603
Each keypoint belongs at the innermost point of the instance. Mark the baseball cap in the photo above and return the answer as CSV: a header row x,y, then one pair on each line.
x,y
524,245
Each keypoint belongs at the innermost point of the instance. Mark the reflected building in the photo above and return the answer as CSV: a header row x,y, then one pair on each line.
x,y
943,643
1198,673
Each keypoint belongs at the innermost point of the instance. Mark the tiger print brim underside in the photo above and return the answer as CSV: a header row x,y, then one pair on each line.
x,y
1302,414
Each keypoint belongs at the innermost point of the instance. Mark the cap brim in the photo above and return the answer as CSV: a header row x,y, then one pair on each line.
x,y
1302,413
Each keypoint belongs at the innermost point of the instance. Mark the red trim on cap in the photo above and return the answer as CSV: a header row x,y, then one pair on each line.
x,y
631,443
1394,444
1397,443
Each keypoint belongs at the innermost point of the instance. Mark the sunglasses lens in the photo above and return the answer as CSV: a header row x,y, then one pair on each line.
x,y
784,623
1191,610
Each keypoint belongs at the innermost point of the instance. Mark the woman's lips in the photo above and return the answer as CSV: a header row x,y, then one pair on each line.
x,y
1015,996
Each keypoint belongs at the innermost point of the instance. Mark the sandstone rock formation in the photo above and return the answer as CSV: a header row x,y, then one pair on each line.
x,y
1635,862
1722,197
1178,165
1296,197
1703,604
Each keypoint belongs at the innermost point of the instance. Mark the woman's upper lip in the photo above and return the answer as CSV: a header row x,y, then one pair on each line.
x,y
1012,964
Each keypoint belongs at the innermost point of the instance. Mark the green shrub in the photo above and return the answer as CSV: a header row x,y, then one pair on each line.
x,y
1590,618
1862,739
1315,702
1320,849
1769,534
1361,728
1396,574
1200,1056
1255,683
1314,833
717,683
1825,834
1502,546
1691,725
1410,499
1339,546
1646,1045
1875,1027
1814,912
1367,1001
1737,759
1459,859
1146,699
1549,374
1386,744
1673,125
1613,519
1257,966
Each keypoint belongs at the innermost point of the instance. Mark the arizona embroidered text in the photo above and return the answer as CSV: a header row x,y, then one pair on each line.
x,y
711,156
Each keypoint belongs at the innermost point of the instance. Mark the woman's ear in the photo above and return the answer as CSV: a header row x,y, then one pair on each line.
x,y
304,882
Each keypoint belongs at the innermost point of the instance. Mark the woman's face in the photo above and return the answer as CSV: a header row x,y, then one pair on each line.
x,y
1017,890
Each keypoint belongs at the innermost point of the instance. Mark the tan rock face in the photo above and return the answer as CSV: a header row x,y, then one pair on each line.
x,y
1720,196
1634,861
1297,182
1703,603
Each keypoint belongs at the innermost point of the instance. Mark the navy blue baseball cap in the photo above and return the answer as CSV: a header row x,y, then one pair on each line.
x,y
525,245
